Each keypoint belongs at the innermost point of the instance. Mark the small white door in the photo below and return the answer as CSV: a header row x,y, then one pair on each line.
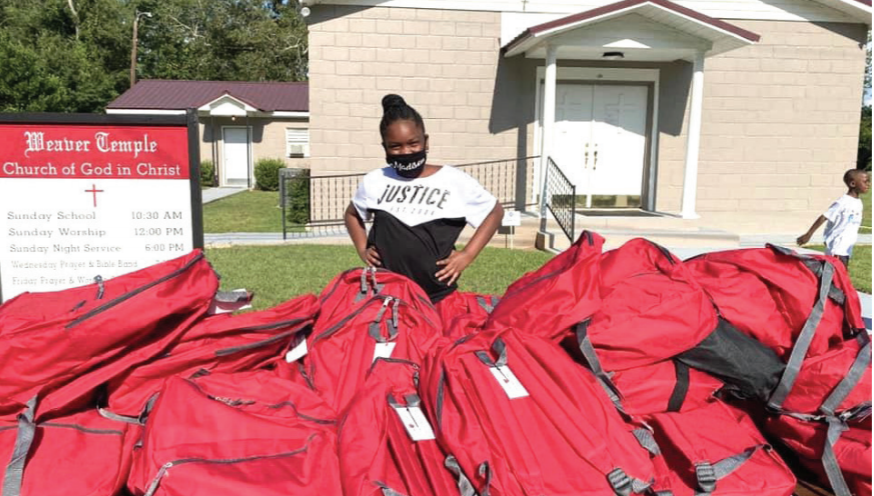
x,y
235,154
619,140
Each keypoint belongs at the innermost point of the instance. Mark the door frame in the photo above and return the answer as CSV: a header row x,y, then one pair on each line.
x,y
222,173
617,77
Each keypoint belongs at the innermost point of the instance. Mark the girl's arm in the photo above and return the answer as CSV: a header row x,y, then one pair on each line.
x,y
460,260
358,233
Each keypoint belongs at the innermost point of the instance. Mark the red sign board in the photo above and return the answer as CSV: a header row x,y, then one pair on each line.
x,y
88,196
90,152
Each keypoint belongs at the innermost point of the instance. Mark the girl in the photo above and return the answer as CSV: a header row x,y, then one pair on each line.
x,y
418,209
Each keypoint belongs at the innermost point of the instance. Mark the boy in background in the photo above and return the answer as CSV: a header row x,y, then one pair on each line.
x,y
844,217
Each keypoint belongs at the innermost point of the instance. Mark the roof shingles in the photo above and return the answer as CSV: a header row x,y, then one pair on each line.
x,y
156,94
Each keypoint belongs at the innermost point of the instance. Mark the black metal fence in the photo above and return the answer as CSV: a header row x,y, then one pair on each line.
x,y
315,205
560,197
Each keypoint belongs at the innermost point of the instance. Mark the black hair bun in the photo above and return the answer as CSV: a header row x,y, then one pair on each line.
x,y
391,101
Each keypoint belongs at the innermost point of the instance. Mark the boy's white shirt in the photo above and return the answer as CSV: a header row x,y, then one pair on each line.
x,y
466,197
844,218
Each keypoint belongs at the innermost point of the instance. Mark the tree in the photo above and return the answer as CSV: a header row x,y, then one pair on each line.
x,y
242,40
867,79
863,158
74,55
58,59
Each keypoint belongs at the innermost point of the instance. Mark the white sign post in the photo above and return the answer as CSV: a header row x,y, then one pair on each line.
x,y
87,196
511,220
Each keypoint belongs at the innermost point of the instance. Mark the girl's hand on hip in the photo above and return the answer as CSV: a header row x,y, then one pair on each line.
x,y
453,266
371,257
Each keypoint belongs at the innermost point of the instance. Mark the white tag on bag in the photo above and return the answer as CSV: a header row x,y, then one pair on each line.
x,y
507,379
383,350
298,352
415,422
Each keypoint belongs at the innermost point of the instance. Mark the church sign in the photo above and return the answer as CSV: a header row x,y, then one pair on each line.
x,y
90,197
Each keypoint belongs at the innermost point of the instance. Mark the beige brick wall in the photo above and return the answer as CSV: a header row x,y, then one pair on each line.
x,y
444,63
780,126
780,120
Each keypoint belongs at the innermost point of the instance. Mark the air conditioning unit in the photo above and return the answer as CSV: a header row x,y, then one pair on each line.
x,y
298,150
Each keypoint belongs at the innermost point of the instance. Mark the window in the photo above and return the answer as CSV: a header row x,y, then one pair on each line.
x,y
297,142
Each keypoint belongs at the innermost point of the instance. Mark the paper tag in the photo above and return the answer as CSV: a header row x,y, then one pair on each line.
x,y
415,422
383,350
507,379
511,218
297,352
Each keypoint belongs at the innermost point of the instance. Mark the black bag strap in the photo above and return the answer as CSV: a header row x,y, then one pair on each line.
x,y
681,388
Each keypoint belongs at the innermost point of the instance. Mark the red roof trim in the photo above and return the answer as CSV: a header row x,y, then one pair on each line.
x,y
626,4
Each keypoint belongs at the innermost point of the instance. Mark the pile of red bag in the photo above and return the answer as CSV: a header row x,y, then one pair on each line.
x,y
621,372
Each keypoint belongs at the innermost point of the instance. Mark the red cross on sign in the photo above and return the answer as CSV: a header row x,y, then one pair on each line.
x,y
94,192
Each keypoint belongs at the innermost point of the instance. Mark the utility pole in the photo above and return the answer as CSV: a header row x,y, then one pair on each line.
x,y
133,50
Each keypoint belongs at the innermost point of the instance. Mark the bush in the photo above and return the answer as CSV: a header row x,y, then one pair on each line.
x,y
298,200
207,173
267,173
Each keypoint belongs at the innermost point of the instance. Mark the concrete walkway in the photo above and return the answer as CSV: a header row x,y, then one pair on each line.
x,y
213,194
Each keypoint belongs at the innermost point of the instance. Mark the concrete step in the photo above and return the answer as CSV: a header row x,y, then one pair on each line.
x,y
670,232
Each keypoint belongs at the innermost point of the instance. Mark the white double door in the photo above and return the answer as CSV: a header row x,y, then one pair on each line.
x,y
600,137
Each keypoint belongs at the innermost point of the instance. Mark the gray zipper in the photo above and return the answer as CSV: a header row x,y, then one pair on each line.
x,y
86,430
240,401
153,487
131,294
265,342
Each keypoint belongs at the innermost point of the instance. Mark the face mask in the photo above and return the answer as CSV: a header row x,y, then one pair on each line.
x,y
410,165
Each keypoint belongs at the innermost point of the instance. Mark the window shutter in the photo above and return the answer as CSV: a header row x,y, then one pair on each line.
x,y
297,142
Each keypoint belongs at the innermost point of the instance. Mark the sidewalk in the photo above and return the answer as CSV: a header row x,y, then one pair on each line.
x,y
213,194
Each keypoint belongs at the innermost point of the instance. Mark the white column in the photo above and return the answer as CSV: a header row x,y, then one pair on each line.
x,y
548,120
693,139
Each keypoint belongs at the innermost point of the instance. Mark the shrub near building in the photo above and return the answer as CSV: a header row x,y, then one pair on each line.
x,y
207,173
267,173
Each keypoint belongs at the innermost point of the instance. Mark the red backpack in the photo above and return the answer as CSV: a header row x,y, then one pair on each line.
x,y
377,453
354,287
340,356
61,346
716,449
652,313
838,452
768,293
80,454
465,313
219,343
472,305
804,307
232,434
666,386
651,309
551,300
522,418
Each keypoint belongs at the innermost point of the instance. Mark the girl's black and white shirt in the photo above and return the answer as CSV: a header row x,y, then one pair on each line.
x,y
416,222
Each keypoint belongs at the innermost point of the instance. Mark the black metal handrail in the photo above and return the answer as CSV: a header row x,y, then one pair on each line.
x,y
329,195
560,196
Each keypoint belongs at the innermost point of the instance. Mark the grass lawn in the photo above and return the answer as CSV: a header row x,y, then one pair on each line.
x,y
278,273
249,211
866,213
860,266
